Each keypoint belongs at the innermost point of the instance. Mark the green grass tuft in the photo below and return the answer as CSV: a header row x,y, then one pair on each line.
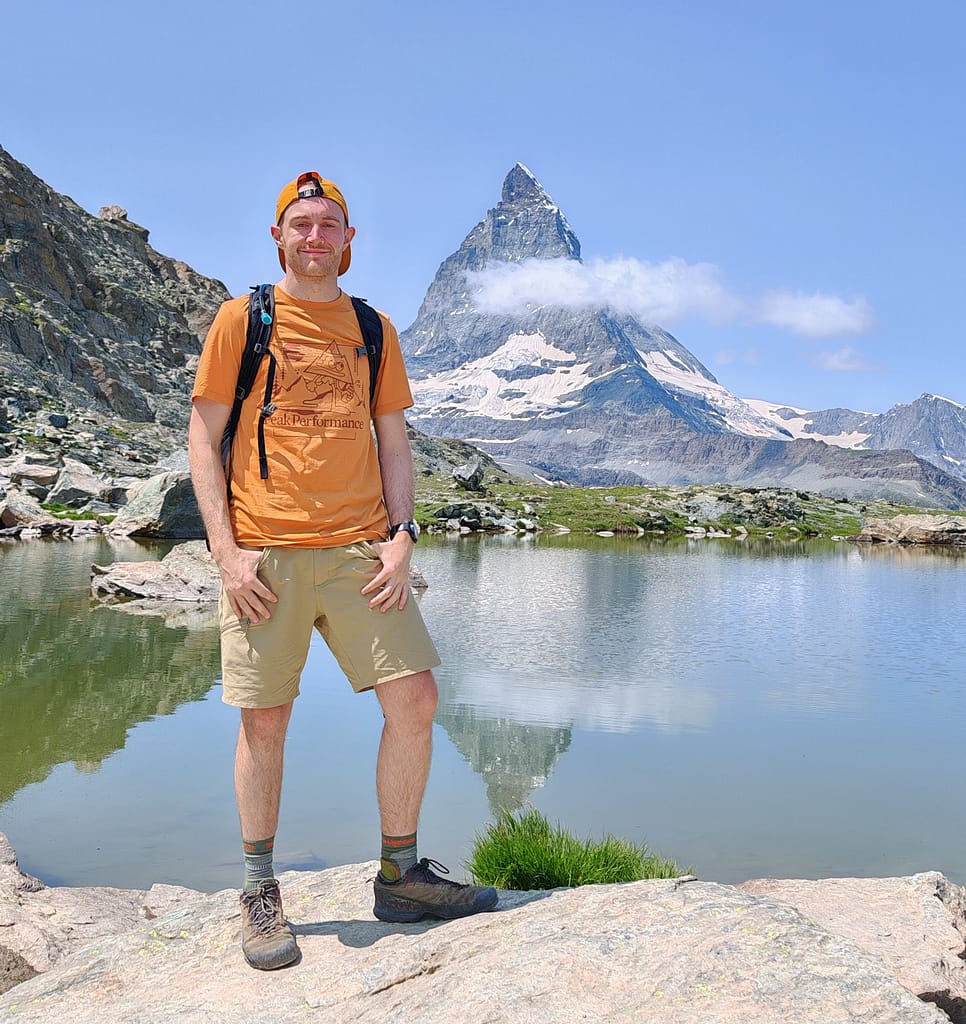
x,y
525,852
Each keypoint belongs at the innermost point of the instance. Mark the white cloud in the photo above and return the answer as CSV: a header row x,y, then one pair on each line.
x,y
843,360
817,315
661,293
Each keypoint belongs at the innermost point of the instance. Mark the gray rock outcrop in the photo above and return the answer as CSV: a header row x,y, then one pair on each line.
x,y
654,952
40,925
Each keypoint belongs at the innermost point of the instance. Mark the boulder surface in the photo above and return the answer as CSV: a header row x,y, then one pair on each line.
x,y
654,952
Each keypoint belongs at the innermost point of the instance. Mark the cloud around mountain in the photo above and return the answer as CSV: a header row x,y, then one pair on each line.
x,y
664,292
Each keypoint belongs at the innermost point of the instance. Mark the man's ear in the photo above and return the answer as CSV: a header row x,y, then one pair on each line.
x,y
276,234
350,233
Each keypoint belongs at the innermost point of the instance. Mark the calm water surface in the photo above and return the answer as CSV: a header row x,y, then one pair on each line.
x,y
746,708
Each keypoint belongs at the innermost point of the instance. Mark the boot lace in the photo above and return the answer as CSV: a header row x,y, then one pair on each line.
x,y
424,866
262,906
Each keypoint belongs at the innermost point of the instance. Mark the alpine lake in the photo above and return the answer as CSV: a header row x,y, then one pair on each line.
x,y
755,707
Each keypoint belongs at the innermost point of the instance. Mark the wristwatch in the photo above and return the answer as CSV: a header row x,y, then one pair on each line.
x,y
410,526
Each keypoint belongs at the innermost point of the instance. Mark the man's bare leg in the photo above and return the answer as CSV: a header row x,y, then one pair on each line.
x,y
405,749
268,941
259,758
410,894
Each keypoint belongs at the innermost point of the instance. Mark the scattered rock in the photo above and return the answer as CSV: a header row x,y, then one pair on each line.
x,y
473,517
470,477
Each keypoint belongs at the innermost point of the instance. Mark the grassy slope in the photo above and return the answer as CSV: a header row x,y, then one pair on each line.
x,y
671,510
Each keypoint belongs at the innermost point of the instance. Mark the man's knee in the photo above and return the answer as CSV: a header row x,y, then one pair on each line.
x,y
265,725
410,700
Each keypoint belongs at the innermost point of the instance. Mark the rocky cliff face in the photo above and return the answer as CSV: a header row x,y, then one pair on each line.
x,y
595,396
94,321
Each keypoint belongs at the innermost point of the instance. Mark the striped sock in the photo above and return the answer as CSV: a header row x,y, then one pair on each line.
x,y
398,856
258,861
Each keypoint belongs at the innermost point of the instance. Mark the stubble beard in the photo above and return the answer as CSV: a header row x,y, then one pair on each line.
x,y
322,265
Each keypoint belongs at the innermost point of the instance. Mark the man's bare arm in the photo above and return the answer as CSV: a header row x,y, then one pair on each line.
x,y
390,587
246,593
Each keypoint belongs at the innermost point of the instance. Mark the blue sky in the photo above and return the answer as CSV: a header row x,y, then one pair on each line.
x,y
783,183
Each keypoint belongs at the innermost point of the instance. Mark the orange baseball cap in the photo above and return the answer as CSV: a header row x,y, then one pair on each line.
x,y
305,186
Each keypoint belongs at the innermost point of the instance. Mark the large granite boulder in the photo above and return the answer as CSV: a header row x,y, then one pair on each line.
x,y
187,573
914,529
19,510
674,951
77,485
164,506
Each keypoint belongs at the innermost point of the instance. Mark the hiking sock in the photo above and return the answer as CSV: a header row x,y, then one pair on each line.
x,y
398,856
258,862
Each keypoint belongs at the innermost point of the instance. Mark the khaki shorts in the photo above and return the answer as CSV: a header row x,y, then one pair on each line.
x,y
262,662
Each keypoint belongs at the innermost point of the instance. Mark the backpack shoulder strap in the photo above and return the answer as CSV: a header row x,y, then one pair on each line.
x,y
261,312
372,335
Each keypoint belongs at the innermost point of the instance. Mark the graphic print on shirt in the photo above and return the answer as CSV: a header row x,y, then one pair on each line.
x,y
316,390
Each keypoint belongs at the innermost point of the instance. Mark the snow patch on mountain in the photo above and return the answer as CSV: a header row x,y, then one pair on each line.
x,y
799,423
526,376
926,397
668,369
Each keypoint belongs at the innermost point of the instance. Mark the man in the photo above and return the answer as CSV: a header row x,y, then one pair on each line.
x,y
323,541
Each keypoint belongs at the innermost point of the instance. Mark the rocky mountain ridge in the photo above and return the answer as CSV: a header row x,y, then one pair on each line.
x,y
96,326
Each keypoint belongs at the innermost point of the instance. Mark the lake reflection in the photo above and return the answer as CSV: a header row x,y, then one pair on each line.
x,y
747,708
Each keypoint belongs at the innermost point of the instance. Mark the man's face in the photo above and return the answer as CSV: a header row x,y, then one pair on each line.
x,y
312,235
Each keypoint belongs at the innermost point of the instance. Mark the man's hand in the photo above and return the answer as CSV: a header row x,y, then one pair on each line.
x,y
390,586
246,593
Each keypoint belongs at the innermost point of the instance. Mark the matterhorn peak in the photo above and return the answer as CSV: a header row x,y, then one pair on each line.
x,y
521,184
526,223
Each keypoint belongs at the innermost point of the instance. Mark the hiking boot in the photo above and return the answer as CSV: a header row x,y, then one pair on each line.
x,y
268,941
422,893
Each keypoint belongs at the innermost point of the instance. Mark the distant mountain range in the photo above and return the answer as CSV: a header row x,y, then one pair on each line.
x,y
97,325
596,396
931,427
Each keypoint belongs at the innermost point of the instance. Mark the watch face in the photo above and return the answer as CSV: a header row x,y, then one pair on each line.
x,y
411,527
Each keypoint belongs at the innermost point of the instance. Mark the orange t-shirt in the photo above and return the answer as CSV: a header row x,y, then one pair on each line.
x,y
324,488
